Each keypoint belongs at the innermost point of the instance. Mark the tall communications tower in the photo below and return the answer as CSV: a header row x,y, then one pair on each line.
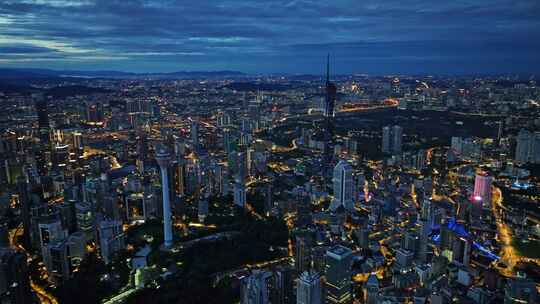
x,y
163,158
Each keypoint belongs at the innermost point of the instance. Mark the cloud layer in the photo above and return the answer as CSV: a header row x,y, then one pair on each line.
x,y
461,36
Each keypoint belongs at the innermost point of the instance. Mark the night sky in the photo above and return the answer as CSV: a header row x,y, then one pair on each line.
x,y
289,36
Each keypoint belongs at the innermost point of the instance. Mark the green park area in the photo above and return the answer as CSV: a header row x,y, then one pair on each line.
x,y
527,248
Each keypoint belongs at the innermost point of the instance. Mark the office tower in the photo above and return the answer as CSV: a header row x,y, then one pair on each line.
x,y
60,157
318,258
111,238
163,158
528,147
343,186
523,145
85,219
425,230
239,194
94,112
397,138
255,288
500,132
179,177
535,149
362,235
420,160
195,134
42,151
24,201
308,289
372,288
77,142
386,139
520,290
461,251
43,118
229,140
67,214
338,275
302,250
268,197
482,188
50,230
56,258
303,212
14,278
202,210
410,241
242,172
282,286
392,138
446,238
222,179
457,145
404,258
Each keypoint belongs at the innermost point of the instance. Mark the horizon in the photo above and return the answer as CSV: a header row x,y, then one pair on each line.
x,y
284,37
80,72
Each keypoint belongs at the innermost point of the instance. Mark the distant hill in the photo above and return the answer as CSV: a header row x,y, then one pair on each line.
x,y
46,73
65,91
9,88
56,92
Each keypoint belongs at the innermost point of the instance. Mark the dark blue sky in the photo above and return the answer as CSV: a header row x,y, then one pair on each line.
x,y
291,36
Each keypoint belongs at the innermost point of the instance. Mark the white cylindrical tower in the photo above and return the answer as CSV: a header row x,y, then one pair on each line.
x,y
163,158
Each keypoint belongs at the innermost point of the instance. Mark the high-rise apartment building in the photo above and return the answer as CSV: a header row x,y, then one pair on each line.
x,y
338,275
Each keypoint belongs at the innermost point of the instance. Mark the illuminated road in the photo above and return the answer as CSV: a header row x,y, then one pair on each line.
x,y
43,296
508,254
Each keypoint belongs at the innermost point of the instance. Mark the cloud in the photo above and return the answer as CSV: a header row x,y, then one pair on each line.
x,y
270,36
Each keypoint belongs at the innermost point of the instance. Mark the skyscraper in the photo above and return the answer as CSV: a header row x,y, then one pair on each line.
x,y
482,188
372,288
461,251
397,137
520,290
523,144
338,275
195,134
43,149
302,250
392,137
255,288
343,186
528,147
111,238
24,201
386,139
14,278
163,158
43,118
239,194
308,290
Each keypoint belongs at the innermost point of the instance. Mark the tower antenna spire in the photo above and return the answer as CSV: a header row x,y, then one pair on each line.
x,y
328,67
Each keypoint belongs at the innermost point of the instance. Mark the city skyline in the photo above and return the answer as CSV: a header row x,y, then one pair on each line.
x,y
269,152
278,37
